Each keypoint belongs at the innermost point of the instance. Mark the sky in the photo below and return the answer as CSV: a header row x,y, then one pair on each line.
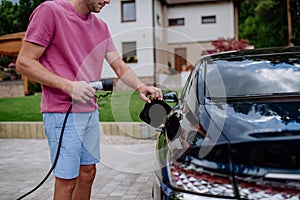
x,y
14,1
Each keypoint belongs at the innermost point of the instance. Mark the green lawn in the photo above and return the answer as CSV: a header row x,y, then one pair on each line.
x,y
121,106
20,109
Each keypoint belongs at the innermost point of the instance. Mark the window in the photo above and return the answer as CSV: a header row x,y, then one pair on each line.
x,y
128,11
129,52
176,22
208,19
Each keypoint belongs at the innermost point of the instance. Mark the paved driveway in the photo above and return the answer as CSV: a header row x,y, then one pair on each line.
x,y
125,171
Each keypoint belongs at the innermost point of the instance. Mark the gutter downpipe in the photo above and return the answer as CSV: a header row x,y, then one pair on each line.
x,y
154,44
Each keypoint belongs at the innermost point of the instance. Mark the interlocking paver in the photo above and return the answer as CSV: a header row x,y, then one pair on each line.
x,y
25,162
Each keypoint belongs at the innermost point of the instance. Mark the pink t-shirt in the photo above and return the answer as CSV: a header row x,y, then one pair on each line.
x,y
75,49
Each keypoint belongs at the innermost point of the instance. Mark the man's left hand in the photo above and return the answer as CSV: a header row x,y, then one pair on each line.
x,y
154,92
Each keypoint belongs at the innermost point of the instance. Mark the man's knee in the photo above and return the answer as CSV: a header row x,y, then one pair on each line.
x,y
65,186
87,173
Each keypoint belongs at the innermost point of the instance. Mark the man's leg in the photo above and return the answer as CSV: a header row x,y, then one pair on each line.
x,y
64,188
84,182
90,155
67,166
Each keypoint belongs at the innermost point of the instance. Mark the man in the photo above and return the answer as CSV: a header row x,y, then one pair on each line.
x,y
63,49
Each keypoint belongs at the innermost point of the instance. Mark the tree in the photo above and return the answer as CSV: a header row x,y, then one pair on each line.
x,y
295,15
264,22
8,23
24,11
15,16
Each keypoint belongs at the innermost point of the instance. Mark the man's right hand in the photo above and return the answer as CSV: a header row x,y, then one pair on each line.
x,y
82,91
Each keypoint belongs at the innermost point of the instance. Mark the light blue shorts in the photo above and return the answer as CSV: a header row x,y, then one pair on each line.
x,y
80,144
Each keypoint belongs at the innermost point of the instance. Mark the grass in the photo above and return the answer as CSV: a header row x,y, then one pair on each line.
x,y
121,106
20,109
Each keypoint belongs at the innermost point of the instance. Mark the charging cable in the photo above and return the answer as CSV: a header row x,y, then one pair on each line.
x,y
56,157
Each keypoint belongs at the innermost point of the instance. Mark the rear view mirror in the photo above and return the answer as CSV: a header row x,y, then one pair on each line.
x,y
171,97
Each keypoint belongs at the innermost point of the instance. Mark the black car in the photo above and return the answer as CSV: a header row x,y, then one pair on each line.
x,y
235,131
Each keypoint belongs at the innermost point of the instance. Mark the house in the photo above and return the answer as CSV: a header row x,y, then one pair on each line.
x,y
161,39
157,36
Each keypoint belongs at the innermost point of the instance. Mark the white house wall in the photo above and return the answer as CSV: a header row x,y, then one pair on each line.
x,y
140,31
193,36
193,30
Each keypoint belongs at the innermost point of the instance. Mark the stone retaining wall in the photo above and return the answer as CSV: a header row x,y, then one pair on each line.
x,y
35,130
11,89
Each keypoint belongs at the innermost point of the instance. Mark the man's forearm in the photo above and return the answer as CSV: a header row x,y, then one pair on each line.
x,y
130,79
125,73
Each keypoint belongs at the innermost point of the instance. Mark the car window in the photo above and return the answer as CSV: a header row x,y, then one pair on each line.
x,y
186,87
200,83
247,77
190,97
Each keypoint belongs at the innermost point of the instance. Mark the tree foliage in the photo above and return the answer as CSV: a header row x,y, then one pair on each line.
x,y
295,14
15,16
264,22
8,17
259,25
